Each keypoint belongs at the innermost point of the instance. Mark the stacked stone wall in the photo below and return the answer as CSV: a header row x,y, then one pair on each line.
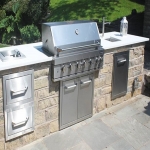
x,y
45,106
103,84
146,29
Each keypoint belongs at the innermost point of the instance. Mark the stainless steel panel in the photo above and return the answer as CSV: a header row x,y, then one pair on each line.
x,y
68,101
11,55
18,88
66,35
19,120
120,74
85,96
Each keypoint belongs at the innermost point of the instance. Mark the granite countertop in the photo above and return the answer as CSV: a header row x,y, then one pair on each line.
x,y
34,53
123,40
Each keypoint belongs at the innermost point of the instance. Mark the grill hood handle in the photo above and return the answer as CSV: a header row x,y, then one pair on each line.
x,y
59,49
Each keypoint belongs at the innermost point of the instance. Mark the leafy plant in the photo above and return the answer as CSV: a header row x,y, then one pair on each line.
x,y
30,33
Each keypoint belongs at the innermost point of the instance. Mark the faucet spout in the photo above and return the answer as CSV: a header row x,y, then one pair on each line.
x,y
103,26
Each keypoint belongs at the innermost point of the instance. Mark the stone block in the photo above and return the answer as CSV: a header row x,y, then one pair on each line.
x,y
45,92
41,131
28,138
13,144
130,72
54,126
128,96
97,93
108,79
40,73
1,106
1,131
48,102
130,81
96,83
108,100
106,90
101,104
41,82
2,144
118,100
1,119
108,58
51,113
39,117
105,69
44,103
137,92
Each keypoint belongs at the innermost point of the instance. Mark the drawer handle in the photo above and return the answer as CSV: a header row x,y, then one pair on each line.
x,y
121,61
15,124
19,91
86,82
70,87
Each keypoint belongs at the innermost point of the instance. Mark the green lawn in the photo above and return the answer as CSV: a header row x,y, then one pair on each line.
x,y
3,45
62,10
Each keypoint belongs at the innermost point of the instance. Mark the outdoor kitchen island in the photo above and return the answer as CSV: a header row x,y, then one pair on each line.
x,y
46,92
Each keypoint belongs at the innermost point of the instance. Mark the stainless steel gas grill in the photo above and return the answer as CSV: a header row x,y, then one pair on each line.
x,y
77,51
76,47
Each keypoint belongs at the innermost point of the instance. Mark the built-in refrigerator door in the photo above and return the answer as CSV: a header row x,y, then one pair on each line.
x,y
85,96
68,102
120,74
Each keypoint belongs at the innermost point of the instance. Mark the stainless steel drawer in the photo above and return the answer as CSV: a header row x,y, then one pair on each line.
x,y
18,88
19,120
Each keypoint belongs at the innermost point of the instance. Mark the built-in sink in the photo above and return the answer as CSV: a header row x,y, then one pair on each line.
x,y
112,39
11,55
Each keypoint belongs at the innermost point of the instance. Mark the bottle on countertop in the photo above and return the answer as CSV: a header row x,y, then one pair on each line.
x,y
124,27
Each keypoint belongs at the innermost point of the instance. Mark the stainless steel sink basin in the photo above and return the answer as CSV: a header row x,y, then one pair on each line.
x,y
11,55
112,39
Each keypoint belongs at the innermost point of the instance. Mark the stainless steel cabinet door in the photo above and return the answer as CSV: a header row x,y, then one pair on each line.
x,y
85,96
120,74
18,89
20,120
68,101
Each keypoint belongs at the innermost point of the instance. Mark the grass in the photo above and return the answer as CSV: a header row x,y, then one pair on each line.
x,y
63,10
3,45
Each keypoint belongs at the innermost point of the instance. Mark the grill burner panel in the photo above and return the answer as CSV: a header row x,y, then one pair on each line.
x,y
76,48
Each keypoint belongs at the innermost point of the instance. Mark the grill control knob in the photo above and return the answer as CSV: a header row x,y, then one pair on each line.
x,y
90,61
70,66
77,64
63,68
96,59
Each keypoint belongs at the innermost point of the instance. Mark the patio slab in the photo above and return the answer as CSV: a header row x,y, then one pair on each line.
x,y
122,127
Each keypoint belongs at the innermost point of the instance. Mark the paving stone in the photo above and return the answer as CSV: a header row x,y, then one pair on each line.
x,y
81,146
120,145
62,140
97,135
146,147
126,113
133,132
142,118
110,120
35,146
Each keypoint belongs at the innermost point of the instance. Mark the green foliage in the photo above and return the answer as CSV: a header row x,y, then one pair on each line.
x,y
30,33
6,38
16,15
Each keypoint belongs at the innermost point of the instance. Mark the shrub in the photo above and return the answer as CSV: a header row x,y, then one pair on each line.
x,y
30,33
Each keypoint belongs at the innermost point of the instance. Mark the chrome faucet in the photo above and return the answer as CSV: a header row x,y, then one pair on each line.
x,y
103,26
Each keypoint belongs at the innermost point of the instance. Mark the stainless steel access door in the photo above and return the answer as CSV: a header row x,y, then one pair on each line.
x,y
85,96
68,102
19,120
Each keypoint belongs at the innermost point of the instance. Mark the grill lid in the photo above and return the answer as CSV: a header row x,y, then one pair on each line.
x,y
64,36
